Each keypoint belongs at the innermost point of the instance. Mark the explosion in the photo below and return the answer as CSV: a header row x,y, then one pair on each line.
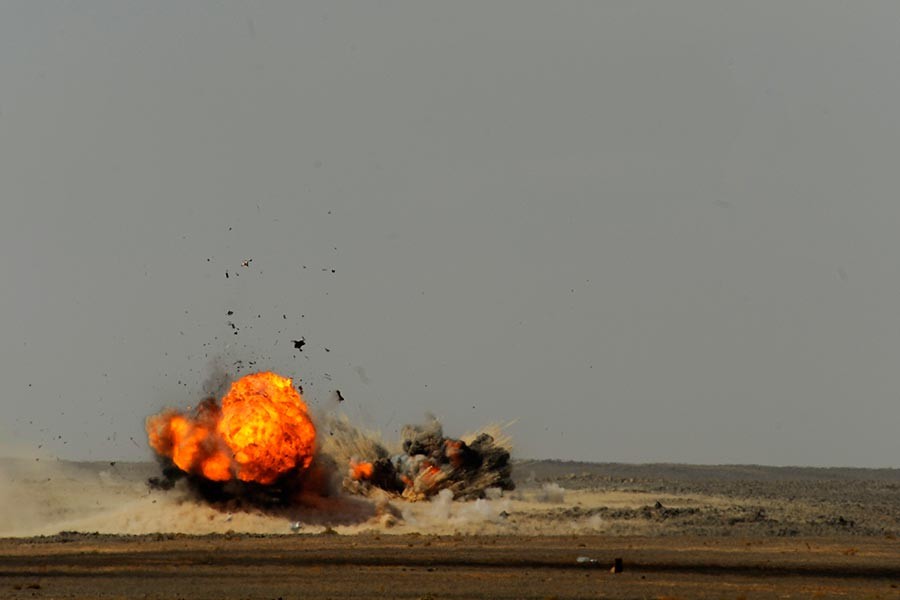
x,y
261,433
258,447
431,462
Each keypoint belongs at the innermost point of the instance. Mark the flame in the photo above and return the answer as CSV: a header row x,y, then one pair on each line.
x,y
430,473
361,471
454,451
431,462
261,431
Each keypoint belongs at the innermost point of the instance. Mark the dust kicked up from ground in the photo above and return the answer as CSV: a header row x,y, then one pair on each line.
x,y
47,497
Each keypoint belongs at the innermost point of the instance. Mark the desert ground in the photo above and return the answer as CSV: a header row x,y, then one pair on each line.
x,y
95,530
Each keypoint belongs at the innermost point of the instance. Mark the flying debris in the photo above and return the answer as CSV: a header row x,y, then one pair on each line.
x,y
246,263
340,396
298,344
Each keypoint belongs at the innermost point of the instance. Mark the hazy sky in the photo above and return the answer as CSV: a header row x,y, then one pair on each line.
x,y
645,231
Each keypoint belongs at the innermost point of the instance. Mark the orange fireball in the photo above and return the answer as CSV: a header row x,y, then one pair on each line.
x,y
261,431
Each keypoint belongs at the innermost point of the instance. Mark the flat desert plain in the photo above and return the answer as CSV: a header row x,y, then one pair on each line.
x,y
95,530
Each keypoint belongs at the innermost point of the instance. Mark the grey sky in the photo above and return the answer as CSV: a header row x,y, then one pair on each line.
x,y
662,231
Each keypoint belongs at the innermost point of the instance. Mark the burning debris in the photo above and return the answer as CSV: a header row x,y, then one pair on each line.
x,y
431,462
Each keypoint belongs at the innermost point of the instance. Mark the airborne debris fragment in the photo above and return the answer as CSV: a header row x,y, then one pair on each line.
x,y
298,344
246,263
340,396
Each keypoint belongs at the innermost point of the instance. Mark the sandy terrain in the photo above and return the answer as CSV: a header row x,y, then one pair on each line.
x,y
39,498
432,567
682,531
